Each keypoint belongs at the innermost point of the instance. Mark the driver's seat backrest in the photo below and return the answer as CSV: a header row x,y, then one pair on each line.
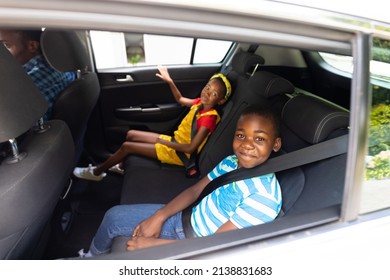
x,y
66,51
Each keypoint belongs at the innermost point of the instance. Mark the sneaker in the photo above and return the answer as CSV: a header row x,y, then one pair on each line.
x,y
83,255
117,169
87,173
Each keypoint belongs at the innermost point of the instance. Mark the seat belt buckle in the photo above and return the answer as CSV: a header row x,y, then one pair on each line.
x,y
192,170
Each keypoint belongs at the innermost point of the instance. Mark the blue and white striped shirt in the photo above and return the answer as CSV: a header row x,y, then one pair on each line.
x,y
48,80
245,203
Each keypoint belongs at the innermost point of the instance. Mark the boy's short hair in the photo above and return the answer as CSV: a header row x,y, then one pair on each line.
x,y
31,34
266,112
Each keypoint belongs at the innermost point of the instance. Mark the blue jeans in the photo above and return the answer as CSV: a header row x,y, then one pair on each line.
x,y
121,220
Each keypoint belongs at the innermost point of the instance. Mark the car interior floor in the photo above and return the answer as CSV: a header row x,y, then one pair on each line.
x,y
77,217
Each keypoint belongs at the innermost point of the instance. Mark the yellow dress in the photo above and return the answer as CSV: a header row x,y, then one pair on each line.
x,y
182,135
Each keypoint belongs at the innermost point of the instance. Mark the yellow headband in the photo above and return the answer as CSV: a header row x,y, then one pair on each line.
x,y
226,82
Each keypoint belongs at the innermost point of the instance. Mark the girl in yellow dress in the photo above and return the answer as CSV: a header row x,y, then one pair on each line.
x,y
164,147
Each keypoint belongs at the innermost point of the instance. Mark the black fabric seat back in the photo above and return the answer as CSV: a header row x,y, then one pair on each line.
x,y
261,88
307,120
31,188
140,185
33,178
66,51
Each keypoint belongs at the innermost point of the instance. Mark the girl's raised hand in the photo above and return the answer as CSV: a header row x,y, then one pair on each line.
x,y
163,73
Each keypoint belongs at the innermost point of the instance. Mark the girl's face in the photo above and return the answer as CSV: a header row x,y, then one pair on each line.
x,y
212,94
254,140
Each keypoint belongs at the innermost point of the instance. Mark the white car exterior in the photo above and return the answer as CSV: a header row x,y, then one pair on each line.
x,y
362,240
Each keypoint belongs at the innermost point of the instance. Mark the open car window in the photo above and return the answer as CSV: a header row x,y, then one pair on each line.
x,y
118,49
377,162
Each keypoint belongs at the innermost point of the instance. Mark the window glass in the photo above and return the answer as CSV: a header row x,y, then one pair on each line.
x,y
109,49
167,50
379,69
376,187
117,49
210,51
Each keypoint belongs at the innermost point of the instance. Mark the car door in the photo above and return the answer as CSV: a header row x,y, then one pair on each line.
x,y
132,96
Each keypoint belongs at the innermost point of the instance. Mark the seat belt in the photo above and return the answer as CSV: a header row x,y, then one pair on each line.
x,y
191,164
313,153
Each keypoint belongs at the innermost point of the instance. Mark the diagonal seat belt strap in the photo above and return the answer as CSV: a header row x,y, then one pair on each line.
x,y
313,153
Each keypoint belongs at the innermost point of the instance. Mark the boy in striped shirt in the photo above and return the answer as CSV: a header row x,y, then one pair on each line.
x,y
236,205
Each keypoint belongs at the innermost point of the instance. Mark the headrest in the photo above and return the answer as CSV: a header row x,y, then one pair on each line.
x,y
64,50
268,84
243,61
313,119
21,102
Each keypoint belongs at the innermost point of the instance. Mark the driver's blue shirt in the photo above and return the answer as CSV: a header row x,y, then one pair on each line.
x,y
48,80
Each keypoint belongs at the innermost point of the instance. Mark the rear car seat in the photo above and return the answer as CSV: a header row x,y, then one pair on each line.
x,y
148,181
307,120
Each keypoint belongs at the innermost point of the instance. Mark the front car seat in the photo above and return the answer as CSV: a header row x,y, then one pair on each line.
x,y
66,51
31,184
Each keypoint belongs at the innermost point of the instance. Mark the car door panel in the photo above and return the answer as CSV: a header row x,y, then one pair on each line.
x,y
137,99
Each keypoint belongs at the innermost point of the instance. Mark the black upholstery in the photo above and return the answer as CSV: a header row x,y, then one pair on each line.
x,y
14,81
308,120
243,64
305,120
30,189
140,184
313,119
31,186
65,51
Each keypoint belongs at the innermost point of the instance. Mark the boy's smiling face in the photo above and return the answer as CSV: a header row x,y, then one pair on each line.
x,y
254,140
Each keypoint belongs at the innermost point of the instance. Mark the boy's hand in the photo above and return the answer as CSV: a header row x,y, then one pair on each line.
x,y
139,243
144,242
150,227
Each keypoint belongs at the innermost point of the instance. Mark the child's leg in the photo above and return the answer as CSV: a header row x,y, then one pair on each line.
x,y
120,221
142,136
127,148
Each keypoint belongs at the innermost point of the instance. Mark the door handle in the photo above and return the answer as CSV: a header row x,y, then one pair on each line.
x,y
127,78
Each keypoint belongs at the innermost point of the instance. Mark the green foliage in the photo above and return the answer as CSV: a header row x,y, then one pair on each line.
x,y
135,59
381,50
380,95
379,136
378,167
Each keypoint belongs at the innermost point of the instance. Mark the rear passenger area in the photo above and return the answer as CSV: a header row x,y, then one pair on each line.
x,y
305,121
140,184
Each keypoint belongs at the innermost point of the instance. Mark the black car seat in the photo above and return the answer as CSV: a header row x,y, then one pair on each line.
x,y
30,187
243,65
308,120
66,51
140,184
159,184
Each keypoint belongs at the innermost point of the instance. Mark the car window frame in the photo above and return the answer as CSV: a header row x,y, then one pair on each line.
x,y
191,58
310,37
